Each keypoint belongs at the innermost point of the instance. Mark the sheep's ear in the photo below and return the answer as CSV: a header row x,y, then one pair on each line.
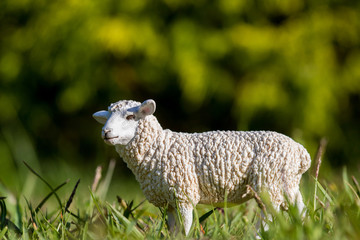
x,y
101,116
146,108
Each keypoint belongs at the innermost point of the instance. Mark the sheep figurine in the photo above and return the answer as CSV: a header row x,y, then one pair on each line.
x,y
185,169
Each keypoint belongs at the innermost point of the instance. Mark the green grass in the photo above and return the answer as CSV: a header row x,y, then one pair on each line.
x,y
333,213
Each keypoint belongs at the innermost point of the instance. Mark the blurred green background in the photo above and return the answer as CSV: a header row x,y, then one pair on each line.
x,y
286,66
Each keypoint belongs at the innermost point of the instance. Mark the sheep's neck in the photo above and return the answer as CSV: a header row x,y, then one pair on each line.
x,y
138,148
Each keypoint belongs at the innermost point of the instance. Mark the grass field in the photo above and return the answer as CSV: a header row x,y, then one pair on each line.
x,y
333,213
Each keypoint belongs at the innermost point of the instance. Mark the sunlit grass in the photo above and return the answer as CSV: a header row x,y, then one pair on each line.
x,y
333,212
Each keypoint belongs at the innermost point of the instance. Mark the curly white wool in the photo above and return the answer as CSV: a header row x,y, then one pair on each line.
x,y
206,167
203,167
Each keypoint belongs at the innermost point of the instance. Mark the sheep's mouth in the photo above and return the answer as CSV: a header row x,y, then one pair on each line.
x,y
109,138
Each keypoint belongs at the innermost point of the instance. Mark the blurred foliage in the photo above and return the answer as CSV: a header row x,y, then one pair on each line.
x,y
287,66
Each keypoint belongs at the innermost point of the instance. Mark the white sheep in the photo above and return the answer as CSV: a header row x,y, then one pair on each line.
x,y
185,169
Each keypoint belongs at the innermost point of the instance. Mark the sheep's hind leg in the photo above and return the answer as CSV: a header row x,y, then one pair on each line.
x,y
300,205
263,221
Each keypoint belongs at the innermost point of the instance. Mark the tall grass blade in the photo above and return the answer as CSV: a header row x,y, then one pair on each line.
x,y
22,148
356,184
181,220
130,228
4,222
159,230
97,205
49,195
68,203
128,210
324,192
3,213
3,232
12,226
32,212
226,213
206,215
19,214
96,178
104,186
258,200
141,203
346,186
42,179
319,154
354,191
197,224
164,213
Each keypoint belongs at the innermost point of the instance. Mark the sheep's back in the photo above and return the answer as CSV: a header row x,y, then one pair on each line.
x,y
228,161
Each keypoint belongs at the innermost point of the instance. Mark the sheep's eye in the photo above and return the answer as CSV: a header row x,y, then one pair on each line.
x,y
130,117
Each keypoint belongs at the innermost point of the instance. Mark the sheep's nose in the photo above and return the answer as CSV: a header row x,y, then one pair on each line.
x,y
106,132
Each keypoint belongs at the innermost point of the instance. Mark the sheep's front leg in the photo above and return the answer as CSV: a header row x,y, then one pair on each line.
x,y
187,217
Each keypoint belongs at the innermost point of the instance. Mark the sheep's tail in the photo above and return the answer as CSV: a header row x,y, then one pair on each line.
x,y
305,160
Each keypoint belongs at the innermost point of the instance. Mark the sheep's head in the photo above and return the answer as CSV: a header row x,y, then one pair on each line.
x,y
121,120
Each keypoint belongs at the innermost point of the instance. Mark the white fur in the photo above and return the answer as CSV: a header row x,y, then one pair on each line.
x,y
188,169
